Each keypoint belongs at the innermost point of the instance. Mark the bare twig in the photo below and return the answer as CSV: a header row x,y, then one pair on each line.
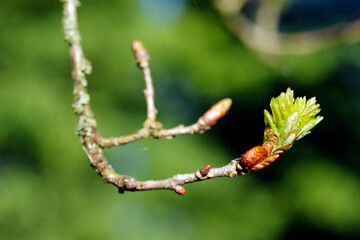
x,y
92,140
142,59
155,129
176,182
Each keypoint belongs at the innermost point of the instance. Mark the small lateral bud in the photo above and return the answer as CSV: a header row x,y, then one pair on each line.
x,y
140,53
204,170
180,190
217,111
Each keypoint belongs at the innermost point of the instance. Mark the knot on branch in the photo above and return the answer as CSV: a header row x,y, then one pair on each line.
x,y
86,126
130,183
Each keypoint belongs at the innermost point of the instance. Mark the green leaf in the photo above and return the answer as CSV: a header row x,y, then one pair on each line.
x,y
269,121
292,119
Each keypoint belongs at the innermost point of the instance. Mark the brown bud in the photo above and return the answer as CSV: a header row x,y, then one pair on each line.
x,y
253,156
204,170
217,111
180,190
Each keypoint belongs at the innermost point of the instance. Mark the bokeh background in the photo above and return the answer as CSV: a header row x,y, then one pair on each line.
x,y
47,187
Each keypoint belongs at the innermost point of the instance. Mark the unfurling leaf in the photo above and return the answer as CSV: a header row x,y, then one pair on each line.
x,y
292,119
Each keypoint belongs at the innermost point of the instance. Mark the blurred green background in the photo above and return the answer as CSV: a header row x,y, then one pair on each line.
x,y
47,187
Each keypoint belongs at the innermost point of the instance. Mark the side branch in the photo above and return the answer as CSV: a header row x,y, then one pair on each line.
x,y
142,59
176,182
155,129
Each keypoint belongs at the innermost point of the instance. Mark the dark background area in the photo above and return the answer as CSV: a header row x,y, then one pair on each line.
x,y
49,191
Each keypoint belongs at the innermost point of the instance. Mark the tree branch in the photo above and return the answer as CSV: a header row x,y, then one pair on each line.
x,y
86,127
93,141
291,120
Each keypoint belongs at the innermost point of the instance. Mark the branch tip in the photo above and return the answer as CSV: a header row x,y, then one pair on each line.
x,y
141,55
217,111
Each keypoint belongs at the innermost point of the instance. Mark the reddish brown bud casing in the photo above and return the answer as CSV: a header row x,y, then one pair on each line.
x,y
265,162
254,156
217,111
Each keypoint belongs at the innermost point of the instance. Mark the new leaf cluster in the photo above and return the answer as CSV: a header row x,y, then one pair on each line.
x,y
292,119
